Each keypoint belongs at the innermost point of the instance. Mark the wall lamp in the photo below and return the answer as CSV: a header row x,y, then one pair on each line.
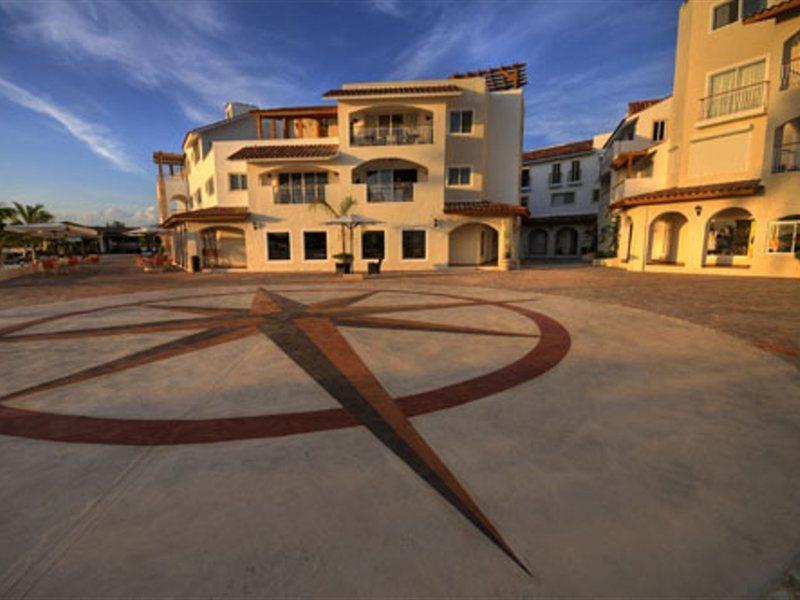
x,y
698,210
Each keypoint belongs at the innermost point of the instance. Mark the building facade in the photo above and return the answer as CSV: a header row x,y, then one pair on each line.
x,y
560,188
708,180
433,165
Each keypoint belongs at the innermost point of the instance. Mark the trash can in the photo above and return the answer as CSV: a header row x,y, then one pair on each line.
x,y
195,264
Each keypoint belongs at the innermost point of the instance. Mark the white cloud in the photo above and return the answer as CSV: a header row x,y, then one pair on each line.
x,y
387,7
176,48
96,137
108,214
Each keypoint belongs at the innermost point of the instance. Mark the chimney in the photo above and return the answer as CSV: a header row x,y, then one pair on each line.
x,y
234,109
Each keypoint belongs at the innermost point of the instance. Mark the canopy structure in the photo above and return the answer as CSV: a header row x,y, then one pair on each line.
x,y
147,230
352,221
53,231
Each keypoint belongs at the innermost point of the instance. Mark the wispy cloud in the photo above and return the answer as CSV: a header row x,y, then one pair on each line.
x,y
96,137
387,7
108,214
182,50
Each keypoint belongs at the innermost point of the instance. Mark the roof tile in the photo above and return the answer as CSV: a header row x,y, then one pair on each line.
x,y
484,208
277,152
748,187
561,150
389,90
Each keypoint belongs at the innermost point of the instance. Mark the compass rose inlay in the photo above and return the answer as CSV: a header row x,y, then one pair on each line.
x,y
309,335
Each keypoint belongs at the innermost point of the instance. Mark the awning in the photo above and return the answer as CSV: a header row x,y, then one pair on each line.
x,y
53,231
710,191
484,208
217,214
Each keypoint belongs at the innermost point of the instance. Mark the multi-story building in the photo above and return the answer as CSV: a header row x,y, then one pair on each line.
x,y
708,181
432,165
560,188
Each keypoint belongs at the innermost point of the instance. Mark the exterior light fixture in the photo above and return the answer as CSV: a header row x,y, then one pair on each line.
x,y
698,210
436,223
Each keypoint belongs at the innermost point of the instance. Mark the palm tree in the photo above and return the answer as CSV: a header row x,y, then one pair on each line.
x,y
26,214
345,206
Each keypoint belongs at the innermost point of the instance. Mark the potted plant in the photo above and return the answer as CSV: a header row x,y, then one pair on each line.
x,y
344,263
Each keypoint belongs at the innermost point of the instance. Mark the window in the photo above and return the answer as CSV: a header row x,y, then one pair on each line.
x,y
237,181
413,244
198,197
525,180
784,237
210,186
278,247
391,185
736,89
595,195
555,174
315,245
196,150
725,14
575,171
300,188
523,201
459,176
750,7
460,121
659,127
562,198
372,245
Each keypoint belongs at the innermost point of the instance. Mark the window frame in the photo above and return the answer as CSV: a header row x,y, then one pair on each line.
x,y
303,234
240,177
425,238
713,9
210,186
663,130
460,168
289,245
525,171
569,193
461,112
705,120
795,237
361,244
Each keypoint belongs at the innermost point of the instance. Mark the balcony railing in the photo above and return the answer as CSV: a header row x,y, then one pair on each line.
x,y
790,74
787,158
399,191
295,194
574,177
733,101
395,136
554,178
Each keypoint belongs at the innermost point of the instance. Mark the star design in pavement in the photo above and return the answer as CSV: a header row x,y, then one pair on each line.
x,y
309,335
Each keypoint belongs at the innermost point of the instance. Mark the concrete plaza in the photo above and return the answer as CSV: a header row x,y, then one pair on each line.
x,y
395,437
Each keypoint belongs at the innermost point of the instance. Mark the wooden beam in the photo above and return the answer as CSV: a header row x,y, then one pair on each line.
x,y
259,126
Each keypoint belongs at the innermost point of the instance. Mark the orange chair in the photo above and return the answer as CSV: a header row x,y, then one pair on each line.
x,y
72,261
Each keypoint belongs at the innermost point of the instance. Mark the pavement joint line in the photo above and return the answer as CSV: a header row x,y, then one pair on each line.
x,y
55,552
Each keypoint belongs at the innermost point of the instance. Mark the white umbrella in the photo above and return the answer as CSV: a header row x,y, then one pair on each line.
x,y
147,230
53,231
352,221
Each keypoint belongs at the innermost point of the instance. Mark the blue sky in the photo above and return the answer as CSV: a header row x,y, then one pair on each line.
x,y
89,89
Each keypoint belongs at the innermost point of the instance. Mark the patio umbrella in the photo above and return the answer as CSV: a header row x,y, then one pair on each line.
x,y
351,222
147,230
53,231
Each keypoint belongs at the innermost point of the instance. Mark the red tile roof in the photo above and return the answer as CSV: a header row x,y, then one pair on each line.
x,y
749,187
639,105
484,208
278,152
215,213
392,90
782,9
506,77
324,110
561,150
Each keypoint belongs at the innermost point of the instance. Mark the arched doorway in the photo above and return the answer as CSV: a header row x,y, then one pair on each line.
x,y
223,247
567,241
665,239
729,237
472,244
537,242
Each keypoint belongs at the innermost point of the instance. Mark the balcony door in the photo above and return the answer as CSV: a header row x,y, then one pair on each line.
x,y
390,185
736,89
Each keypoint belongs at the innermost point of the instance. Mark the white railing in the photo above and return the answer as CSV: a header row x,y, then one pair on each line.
x,y
733,101
790,74
296,194
392,136
787,158
399,191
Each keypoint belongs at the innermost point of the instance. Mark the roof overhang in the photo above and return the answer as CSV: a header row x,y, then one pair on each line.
x,y
484,208
328,111
711,191
505,77
232,214
779,11
286,153
398,91
625,158
168,158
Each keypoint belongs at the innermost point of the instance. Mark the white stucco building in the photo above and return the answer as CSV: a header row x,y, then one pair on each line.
x,y
559,186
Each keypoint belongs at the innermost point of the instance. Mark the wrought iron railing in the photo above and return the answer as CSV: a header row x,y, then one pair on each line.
x,y
727,103
399,191
787,158
392,136
790,74
298,194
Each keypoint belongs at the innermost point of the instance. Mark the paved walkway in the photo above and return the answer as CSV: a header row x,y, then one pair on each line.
x,y
399,437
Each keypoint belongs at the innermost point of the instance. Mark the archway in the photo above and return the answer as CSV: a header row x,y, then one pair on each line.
x,y
537,242
786,151
390,179
729,237
390,126
223,247
665,239
567,241
177,204
473,244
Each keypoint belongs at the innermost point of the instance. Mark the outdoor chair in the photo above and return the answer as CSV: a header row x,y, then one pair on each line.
x,y
374,268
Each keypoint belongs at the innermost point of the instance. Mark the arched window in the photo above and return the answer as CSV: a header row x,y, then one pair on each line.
x,y
567,241
537,242
790,71
786,155
729,233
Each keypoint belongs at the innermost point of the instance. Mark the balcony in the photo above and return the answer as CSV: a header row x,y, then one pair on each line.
x,y
398,191
745,98
394,136
296,194
787,158
790,74
574,177
554,179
